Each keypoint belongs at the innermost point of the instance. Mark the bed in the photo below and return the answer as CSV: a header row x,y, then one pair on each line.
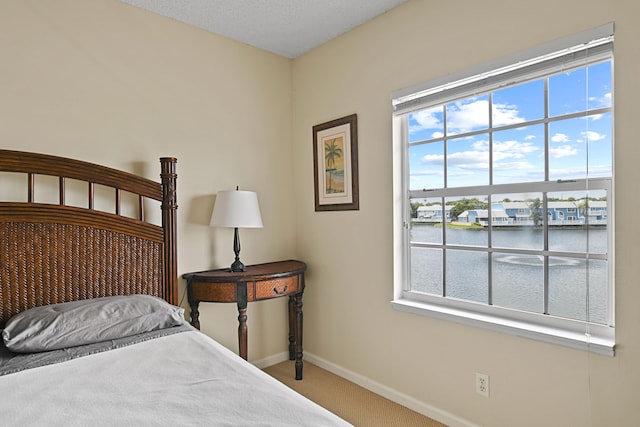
x,y
92,330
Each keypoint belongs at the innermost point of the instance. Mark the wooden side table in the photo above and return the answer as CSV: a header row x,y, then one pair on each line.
x,y
259,282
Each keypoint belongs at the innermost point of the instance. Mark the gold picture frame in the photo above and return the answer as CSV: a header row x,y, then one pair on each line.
x,y
335,164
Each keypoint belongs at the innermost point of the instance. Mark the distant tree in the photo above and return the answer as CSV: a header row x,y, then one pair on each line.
x,y
414,209
536,211
583,207
466,205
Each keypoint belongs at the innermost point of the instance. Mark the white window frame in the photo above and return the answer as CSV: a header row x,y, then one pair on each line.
x,y
572,333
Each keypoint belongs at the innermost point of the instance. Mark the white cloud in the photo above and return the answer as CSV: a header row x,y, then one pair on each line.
x,y
504,114
478,156
426,119
512,166
469,115
433,158
462,159
603,101
562,151
515,148
593,136
465,116
507,149
469,159
580,172
560,137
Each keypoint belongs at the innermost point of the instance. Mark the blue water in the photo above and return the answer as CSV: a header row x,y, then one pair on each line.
x,y
517,279
337,175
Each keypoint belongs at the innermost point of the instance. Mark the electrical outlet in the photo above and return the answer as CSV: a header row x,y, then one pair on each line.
x,y
482,384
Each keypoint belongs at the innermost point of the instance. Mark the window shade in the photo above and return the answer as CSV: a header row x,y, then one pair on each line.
x,y
561,56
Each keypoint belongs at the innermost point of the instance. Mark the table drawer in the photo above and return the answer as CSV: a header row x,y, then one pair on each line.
x,y
266,289
220,292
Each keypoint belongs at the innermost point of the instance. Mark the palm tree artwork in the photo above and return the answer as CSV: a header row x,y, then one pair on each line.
x,y
334,163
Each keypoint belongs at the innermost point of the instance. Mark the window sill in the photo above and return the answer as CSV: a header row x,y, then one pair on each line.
x,y
599,341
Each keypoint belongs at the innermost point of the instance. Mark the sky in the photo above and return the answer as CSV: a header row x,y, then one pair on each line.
x,y
579,147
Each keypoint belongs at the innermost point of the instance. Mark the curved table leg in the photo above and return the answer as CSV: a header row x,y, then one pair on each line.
x,y
242,332
292,328
298,335
195,314
241,298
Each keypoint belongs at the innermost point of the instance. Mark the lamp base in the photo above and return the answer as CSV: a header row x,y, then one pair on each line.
x,y
237,266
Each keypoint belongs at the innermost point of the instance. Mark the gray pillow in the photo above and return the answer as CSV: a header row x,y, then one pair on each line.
x,y
69,324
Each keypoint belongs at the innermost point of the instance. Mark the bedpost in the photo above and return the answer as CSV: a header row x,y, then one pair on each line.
x,y
169,207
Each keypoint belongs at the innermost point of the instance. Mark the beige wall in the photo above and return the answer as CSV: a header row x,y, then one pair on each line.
x,y
350,322
106,82
110,83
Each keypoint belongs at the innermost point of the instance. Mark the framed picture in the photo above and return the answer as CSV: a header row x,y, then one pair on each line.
x,y
335,164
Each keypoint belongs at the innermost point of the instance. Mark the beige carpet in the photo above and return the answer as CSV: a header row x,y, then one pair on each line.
x,y
349,401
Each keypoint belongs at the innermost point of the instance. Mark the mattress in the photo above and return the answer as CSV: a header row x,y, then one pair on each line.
x,y
180,378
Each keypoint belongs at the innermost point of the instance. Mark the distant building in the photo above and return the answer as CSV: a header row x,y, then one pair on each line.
x,y
481,216
519,213
597,212
433,213
580,212
563,212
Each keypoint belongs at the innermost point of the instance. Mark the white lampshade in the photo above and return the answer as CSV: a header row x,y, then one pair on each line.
x,y
236,209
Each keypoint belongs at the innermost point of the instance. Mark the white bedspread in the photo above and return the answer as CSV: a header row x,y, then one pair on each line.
x,y
186,379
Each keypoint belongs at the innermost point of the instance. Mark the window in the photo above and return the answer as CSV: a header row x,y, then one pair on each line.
x,y
520,157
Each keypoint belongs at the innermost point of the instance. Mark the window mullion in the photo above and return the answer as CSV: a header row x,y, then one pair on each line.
x,y
490,208
545,211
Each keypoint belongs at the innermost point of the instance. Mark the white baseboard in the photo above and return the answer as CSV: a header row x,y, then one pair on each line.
x,y
389,393
271,360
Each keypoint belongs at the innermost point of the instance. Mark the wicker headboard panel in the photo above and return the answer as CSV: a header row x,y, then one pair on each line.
x,y
52,253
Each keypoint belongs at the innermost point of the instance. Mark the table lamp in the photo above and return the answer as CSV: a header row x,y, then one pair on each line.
x,y
236,209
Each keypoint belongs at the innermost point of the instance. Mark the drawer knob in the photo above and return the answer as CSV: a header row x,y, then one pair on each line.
x,y
282,292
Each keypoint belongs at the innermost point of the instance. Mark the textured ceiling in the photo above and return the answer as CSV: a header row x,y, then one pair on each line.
x,y
286,27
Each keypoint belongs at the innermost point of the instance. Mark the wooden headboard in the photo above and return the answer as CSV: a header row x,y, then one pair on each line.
x,y
53,252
